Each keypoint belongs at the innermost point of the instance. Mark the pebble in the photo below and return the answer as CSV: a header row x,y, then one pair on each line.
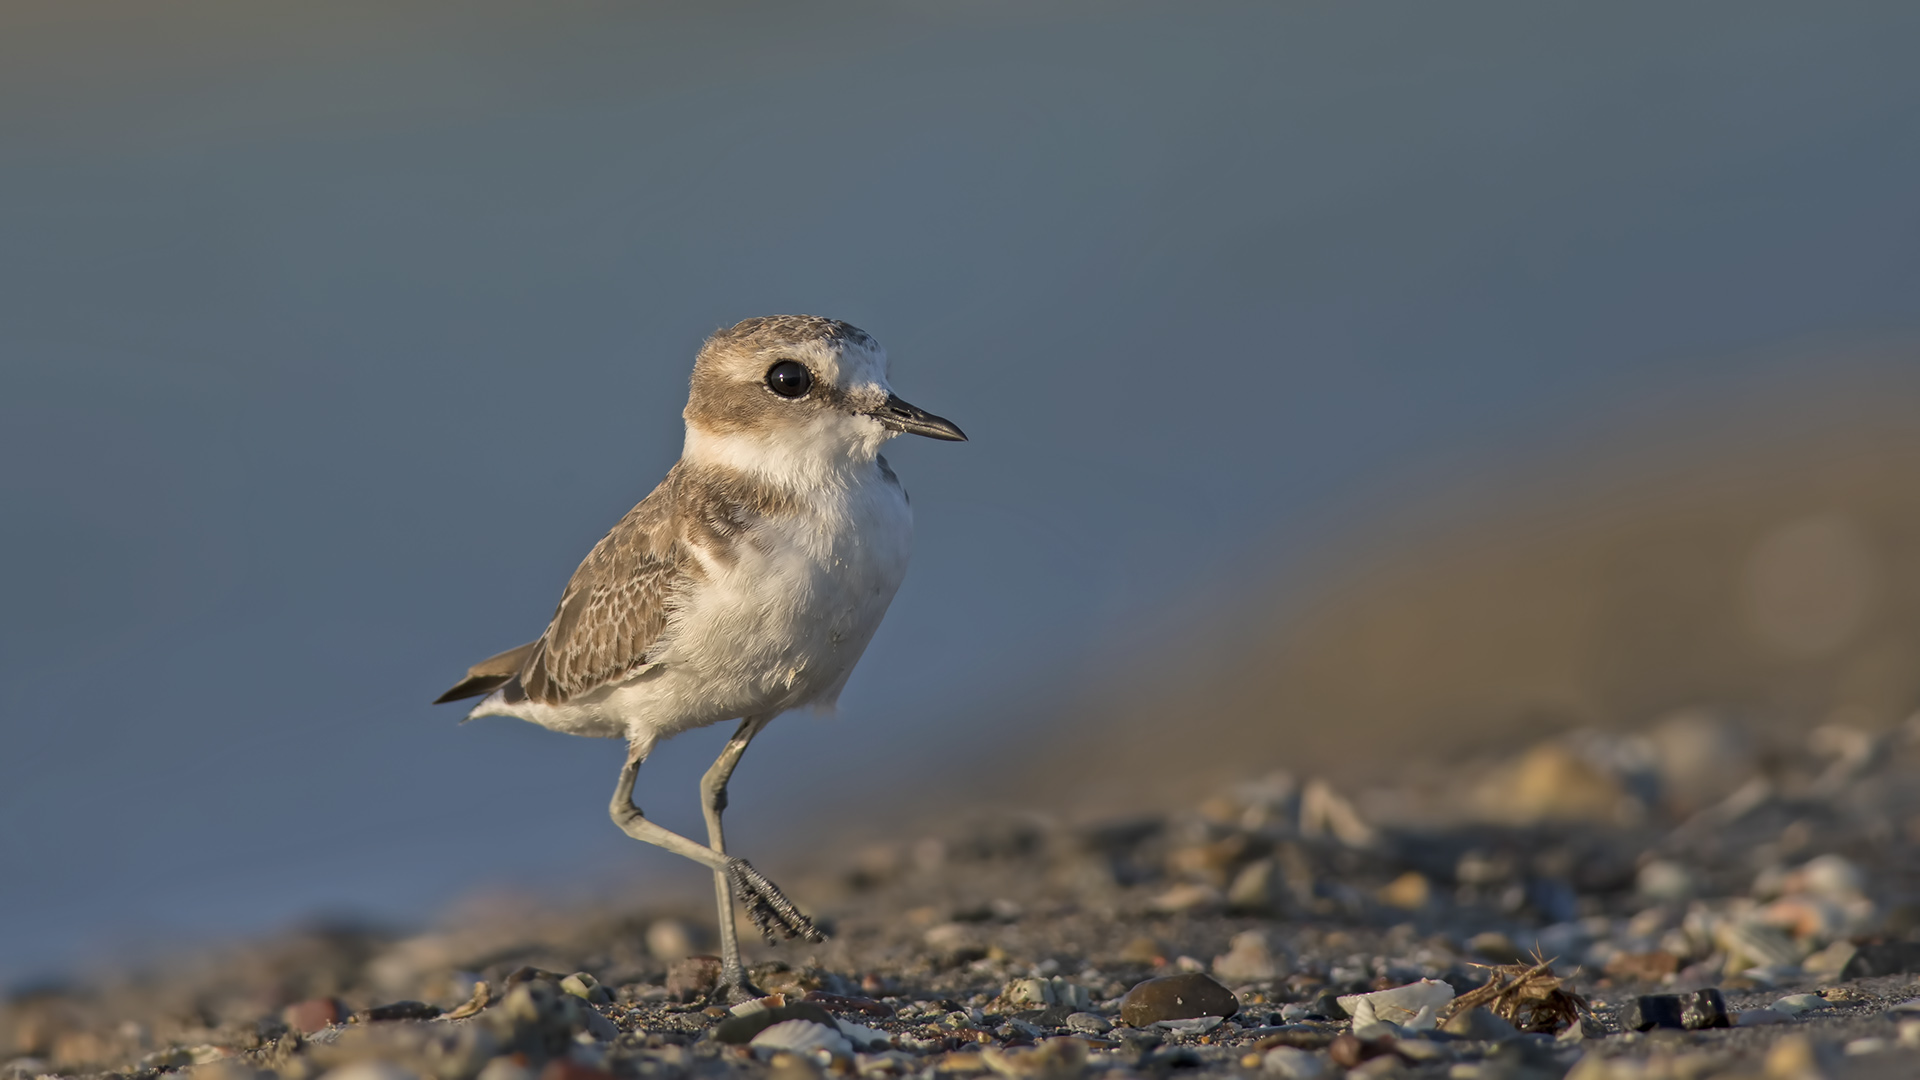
x,y
1481,1025
1249,958
399,1010
1704,1009
1089,1023
692,977
1795,1004
586,988
1176,997
313,1014
1293,1064
1649,1011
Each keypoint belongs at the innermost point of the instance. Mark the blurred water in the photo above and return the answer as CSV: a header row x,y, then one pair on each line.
x,y
332,337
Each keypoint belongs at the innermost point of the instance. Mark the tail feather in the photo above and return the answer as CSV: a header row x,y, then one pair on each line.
x,y
489,674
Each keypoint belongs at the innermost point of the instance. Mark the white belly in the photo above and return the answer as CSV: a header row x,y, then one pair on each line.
x,y
779,625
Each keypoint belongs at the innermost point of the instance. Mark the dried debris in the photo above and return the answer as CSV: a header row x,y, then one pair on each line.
x,y
1531,997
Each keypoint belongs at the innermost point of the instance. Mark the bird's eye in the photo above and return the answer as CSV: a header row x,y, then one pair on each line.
x,y
789,378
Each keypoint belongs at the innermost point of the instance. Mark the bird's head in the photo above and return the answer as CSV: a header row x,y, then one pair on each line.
x,y
795,395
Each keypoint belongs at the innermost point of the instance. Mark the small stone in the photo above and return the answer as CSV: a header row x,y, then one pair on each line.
x,y
1248,959
1419,1050
693,977
1176,997
1255,889
314,1014
1292,1064
1664,880
586,988
1888,958
1649,1011
1480,1025
399,1010
1795,1004
1704,1009
1326,1006
1410,890
1088,1023
1026,992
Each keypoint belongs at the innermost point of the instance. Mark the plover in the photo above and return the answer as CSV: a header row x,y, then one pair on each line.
x,y
747,584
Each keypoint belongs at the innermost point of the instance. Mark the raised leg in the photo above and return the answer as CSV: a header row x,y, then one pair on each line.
x,y
767,906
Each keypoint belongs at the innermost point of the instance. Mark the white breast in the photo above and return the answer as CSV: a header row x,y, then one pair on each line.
x,y
780,623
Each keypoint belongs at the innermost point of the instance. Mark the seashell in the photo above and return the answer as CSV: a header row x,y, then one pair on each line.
x,y
863,1037
1404,1005
802,1037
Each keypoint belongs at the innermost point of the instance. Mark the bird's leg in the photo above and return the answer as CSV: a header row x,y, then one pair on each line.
x,y
713,801
766,904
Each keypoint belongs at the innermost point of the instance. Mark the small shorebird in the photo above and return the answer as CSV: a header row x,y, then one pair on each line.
x,y
748,583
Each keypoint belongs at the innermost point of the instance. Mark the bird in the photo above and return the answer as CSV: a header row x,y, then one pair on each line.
x,y
747,584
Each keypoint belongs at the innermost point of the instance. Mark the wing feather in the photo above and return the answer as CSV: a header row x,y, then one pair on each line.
x,y
614,609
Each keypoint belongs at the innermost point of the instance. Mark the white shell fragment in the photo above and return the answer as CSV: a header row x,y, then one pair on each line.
x,y
802,1037
1196,1025
863,1037
1412,1006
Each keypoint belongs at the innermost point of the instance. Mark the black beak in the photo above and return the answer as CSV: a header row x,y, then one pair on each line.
x,y
897,415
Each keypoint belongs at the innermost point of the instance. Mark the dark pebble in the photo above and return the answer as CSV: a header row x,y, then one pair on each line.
x,y
399,1010
1177,997
1326,1006
1649,1011
1884,958
528,973
1705,1009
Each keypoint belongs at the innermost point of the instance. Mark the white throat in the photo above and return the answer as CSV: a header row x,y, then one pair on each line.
x,y
828,451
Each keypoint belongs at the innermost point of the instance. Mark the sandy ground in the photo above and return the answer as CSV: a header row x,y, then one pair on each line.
x,y
1694,856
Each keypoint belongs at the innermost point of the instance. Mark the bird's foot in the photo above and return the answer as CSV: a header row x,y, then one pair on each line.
x,y
730,992
768,907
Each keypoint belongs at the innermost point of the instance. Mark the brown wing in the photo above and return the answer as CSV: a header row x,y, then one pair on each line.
x,y
614,609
